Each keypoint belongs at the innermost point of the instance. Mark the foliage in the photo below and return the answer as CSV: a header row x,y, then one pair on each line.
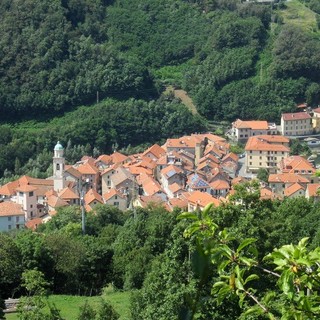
x,y
263,174
35,284
296,272
86,312
299,148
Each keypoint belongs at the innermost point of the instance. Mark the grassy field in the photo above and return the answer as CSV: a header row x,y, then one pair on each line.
x,y
69,305
298,14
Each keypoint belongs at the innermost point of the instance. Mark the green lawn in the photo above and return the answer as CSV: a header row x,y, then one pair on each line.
x,y
69,305
298,14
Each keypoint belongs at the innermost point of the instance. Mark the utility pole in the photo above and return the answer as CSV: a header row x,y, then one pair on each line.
x,y
83,216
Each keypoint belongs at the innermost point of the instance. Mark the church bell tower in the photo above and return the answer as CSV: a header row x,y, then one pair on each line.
x,y
58,168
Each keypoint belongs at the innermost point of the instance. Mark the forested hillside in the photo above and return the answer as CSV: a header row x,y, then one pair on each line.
x,y
234,59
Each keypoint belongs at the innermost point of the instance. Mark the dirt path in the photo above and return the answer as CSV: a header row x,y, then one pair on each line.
x,y
183,96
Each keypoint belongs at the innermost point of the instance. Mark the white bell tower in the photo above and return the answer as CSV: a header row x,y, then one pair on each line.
x,y
58,168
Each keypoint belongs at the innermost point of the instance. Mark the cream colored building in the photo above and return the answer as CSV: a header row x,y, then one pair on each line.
x,y
266,152
316,119
296,124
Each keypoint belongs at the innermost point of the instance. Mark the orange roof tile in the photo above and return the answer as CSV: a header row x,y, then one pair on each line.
x,y
210,157
55,202
293,189
259,144
313,189
175,187
33,224
73,172
9,188
91,196
106,159
238,180
34,181
253,125
68,193
274,138
295,116
155,150
202,199
211,137
183,142
171,170
296,163
180,203
111,193
118,157
88,168
9,208
231,156
286,178
151,186
26,188
219,185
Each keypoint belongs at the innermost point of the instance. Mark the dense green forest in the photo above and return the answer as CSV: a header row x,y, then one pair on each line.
x,y
146,253
92,73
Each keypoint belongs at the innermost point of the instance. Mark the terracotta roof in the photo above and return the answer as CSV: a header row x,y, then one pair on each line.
x,y
231,156
73,172
253,125
107,170
118,157
211,137
211,148
175,187
295,116
296,163
180,203
67,194
258,144
9,208
219,184
266,194
313,189
106,159
293,189
287,178
202,199
155,150
183,142
137,170
88,168
151,186
146,200
210,157
33,224
55,202
111,193
316,110
26,188
171,170
34,181
9,188
274,138
91,196
238,180
121,175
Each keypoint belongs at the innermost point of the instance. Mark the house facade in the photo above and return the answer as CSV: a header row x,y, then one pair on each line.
x,y
296,124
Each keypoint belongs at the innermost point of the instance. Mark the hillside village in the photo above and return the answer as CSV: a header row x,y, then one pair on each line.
x,y
187,172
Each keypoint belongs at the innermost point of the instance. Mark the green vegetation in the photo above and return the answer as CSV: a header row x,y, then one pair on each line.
x,y
93,73
145,253
69,305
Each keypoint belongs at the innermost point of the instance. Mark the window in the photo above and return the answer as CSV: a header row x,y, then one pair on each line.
x,y
9,218
116,203
31,213
31,206
116,197
31,194
58,167
20,194
9,227
250,157
260,158
250,163
17,219
260,164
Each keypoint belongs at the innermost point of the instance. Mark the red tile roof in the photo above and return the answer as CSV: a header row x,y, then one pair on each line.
x,y
202,199
253,125
295,116
91,196
293,189
259,144
287,178
9,208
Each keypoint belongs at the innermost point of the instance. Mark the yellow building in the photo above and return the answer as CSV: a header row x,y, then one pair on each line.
x,y
296,124
265,152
